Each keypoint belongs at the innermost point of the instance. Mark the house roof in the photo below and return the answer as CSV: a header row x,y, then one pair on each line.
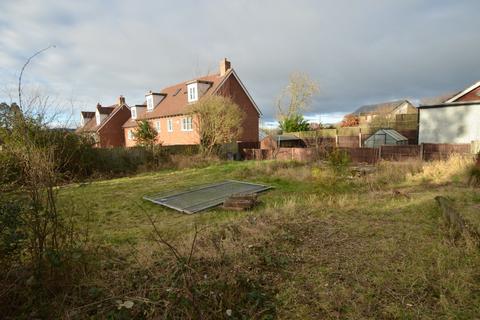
x,y
438,99
464,92
88,114
131,123
91,124
106,110
450,104
390,132
379,108
176,101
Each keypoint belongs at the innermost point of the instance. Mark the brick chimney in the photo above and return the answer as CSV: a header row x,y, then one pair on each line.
x,y
121,100
224,66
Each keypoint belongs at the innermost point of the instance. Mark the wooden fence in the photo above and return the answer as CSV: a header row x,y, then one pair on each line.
x,y
425,152
443,151
400,152
349,137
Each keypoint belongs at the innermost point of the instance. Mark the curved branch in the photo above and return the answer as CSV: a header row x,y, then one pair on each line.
x,y
23,69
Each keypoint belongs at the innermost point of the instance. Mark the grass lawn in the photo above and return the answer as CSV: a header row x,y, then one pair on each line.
x,y
318,245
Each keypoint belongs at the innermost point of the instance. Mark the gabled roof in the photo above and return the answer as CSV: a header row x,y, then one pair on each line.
x,y
106,110
390,132
464,92
438,99
176,101
91,124
141,110
88,114
380,108
116,109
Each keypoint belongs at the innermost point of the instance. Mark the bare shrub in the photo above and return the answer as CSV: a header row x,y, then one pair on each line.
x,y
454,169
218,120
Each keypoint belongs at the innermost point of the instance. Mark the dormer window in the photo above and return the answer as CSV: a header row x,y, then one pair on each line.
x,y
134,113
192,92
98,118
153,99
196,89
149,103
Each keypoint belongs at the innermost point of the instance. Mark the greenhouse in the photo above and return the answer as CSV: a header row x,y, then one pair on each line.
x,y
385,137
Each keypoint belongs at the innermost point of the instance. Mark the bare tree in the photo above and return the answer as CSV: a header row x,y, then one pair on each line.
x,y
218,120
297,96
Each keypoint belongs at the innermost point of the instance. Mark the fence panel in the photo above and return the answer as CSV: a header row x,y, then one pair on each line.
x,y
348,141
362,155
400,153
442,151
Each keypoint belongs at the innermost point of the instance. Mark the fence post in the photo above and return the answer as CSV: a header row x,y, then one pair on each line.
x,y
360,138
380,152
421,152
336,138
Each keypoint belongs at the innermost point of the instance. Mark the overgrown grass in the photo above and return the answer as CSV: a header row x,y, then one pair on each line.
x,y
368,245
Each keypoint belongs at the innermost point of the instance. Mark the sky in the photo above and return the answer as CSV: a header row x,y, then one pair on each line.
x,y
359,52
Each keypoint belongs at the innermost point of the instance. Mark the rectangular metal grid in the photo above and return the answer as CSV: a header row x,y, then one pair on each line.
x,y
205,196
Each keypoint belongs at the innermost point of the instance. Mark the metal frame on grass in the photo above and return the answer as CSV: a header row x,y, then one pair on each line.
x,y
237,187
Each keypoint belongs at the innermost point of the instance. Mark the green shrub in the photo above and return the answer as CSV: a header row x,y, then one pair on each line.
x,y
338,161
11,234
9,171
474,176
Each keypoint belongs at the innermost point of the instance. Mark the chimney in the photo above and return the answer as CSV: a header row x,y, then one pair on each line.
x,y
224,66
121,100
98,104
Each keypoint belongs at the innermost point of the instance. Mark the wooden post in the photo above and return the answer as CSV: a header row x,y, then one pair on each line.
x,y
380,152
421,151
336,138
360,137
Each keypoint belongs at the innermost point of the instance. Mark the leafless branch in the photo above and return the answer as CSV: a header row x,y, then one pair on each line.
x,y
23,69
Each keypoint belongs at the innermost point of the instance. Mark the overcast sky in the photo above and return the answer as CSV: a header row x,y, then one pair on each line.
x,y
359,52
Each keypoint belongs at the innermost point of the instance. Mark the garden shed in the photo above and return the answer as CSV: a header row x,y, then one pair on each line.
x,y
282,141
384,137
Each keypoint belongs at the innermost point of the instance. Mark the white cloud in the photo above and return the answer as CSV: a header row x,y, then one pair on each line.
x,y
359,51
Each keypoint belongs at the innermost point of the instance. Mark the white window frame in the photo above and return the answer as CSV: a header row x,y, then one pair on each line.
x,y
192,92
130,134
150,103
187,124
157,126
170,125
134,113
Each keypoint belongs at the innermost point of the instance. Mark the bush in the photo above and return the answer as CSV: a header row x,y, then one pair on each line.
x,y
11,233
474,176
338,161
9,171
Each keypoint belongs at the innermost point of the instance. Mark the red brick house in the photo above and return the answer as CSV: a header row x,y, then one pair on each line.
x,y
105,124
168,110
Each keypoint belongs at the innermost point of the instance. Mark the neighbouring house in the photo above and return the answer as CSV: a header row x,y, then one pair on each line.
x,y
385,137
454,120
105,124
272,142
168,110
389,110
